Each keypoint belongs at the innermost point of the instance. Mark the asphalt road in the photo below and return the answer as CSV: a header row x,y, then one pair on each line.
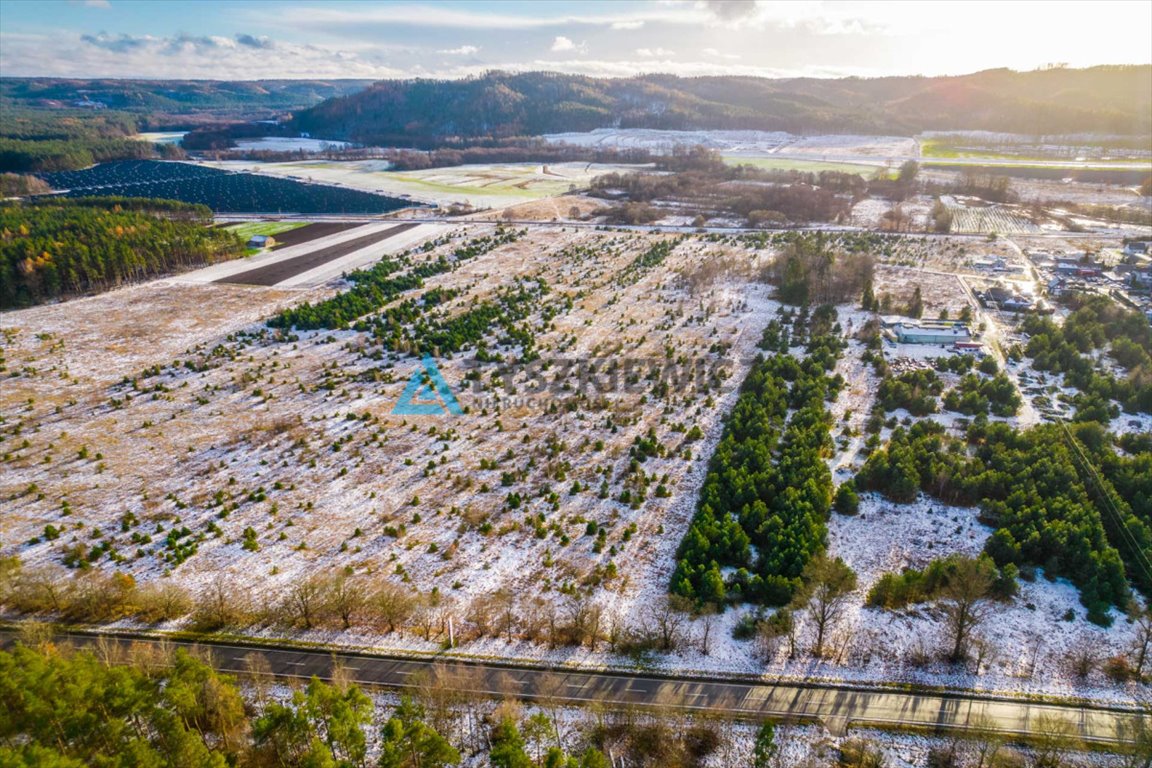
x,y
837,707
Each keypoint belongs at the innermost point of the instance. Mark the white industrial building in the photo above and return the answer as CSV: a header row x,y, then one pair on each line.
x,y
931,333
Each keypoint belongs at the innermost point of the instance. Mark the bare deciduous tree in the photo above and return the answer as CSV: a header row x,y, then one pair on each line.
x,y
667,618
347,598
827,584
504,607
394,604
1142,642
258,671
707,619
1055,737
534,617
222,604
1082,659
965,601
305,600
162,601
40,590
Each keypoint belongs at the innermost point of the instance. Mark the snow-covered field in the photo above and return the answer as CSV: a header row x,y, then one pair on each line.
x,y
743,143
481,186
296,441
288,144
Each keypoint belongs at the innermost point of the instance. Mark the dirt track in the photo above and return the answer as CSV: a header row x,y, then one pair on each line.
x,y
271,274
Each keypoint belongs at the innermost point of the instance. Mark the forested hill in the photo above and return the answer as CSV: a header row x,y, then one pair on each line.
x,y
175,102
500,105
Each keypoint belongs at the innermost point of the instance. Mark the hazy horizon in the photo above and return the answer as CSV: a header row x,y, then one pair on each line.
x,y
303,39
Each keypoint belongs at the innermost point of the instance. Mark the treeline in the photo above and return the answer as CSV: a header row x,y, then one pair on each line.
x,y
1096,324
144,706
1047,508
918,392
19,156
768,487
701,180
1128,471
54,248
174,104
993,187
912,585
17,185
519,150
45,141
378,285
427,112
336,600
811,267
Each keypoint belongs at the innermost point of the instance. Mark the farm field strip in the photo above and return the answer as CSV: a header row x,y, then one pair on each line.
x,y
313,231
218,271
248,229
969,220
333,268
284,269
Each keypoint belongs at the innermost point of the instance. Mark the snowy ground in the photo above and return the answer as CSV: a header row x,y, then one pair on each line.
x,y
266,425
481,186
287,144
744,143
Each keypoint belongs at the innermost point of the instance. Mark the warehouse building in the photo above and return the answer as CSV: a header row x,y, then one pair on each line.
x,y
931,333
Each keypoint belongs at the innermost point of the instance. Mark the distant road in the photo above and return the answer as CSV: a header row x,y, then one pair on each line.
x,y
836,706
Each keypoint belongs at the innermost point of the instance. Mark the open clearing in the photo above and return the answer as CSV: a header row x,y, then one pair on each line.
x,y
194,443
312,232
285,269
277,228
745,143
806,166
482,186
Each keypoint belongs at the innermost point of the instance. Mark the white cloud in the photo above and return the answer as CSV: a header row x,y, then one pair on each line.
x,y
183,57
731,10
720,54
418,15
97,3
414,40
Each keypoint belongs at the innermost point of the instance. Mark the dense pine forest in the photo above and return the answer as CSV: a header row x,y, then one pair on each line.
x,y
40,140
1096,323
768,491
1043,492
60,248
500,105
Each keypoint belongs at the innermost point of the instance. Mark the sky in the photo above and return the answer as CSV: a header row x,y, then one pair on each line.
x,y
254,39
